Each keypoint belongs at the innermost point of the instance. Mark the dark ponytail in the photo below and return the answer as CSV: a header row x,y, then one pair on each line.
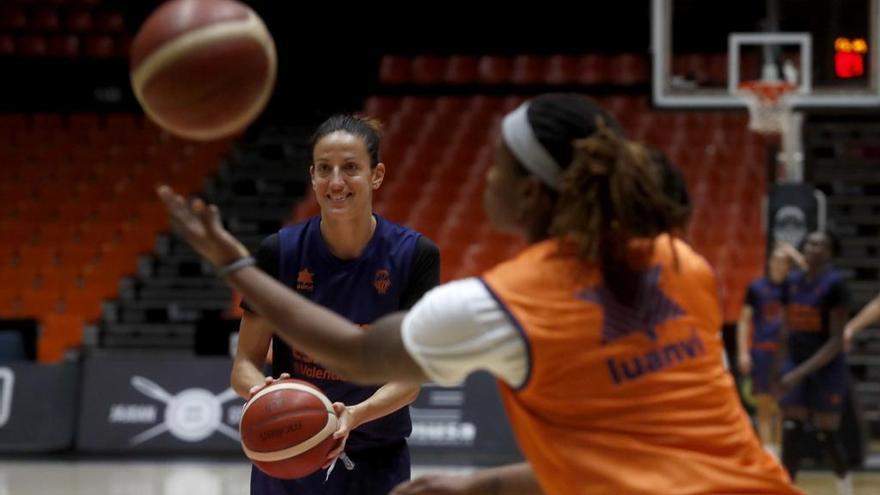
x,y
611,196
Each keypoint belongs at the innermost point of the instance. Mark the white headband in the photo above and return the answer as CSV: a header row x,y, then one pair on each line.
x,y
520,138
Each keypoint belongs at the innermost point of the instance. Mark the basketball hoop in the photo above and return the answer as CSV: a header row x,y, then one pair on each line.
x,y
768,108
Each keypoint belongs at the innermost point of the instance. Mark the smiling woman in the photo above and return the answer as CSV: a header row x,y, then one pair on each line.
x,y
362,267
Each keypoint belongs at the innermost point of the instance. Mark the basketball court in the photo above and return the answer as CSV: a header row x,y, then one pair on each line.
x,y
226,478
805,72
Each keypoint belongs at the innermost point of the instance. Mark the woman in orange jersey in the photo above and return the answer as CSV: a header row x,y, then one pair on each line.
x,y
604,333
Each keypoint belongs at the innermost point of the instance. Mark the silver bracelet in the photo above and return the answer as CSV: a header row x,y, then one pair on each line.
x,y
235,266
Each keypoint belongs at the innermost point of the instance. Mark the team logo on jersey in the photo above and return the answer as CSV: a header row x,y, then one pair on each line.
x,y
305,280
633,367
651,308
382,281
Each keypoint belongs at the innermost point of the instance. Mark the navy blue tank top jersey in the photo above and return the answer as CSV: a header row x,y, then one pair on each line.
x,y
362,290
809,303
765,298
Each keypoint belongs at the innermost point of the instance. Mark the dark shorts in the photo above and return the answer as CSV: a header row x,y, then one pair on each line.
x,y
823,391
376,471
762,364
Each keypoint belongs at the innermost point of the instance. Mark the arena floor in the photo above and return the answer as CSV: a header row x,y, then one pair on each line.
x,y
32,477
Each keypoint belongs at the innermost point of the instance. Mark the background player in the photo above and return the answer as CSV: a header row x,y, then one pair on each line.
x,y
758,334
601,297
813,383
362,267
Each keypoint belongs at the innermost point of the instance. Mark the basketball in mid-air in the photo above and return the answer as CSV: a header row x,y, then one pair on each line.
x,y
203,69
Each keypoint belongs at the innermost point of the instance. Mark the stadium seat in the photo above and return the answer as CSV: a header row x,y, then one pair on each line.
x,y
593,69
13,18
7,44
37,303
395,69
31,45
99,46
561,69
427,69
83,302
629,69
494,70
528,69
111,22
45,19
79,21
462,70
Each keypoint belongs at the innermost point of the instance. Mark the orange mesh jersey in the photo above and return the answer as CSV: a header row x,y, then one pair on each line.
x,y
628,400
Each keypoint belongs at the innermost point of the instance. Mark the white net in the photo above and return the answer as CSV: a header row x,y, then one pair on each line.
x,y
769,109
771,113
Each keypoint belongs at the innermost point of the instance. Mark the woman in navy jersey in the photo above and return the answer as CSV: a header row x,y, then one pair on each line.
x,y
758,334
813,381
362,267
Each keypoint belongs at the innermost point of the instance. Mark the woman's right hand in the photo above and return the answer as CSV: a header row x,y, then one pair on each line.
x,y
200,226
266,382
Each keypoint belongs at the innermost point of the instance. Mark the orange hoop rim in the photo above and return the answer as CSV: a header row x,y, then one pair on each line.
x,y
767,92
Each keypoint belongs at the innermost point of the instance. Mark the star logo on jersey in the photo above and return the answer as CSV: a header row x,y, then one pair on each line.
x,y
652,308
382,282
305,280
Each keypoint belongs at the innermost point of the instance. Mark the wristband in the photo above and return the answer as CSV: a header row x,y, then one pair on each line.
x,y
235,266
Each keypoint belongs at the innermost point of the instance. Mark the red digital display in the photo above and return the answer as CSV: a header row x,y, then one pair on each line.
x,y
849,57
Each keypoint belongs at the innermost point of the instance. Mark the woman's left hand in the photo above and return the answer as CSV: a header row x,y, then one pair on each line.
x,y
344,427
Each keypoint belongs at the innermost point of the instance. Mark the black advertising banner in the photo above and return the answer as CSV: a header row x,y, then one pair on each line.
x,y
185,404
37,406
173,404
462,425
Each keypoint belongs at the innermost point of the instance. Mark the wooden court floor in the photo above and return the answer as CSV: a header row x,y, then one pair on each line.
x,y
55,477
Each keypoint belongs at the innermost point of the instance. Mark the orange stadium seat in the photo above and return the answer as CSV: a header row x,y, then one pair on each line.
x,y
31,45
494,70
528,69
45,19
462,70
79,21
99,46
427,69
395,69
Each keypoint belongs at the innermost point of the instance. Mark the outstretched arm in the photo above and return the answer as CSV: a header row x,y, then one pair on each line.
x,y
371,357
867,316
825,354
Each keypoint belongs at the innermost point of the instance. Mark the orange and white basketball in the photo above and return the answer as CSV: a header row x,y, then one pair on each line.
x,y
203,69
287,429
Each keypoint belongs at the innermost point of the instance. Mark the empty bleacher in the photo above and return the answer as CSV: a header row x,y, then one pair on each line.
x,y
63,29
80,209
